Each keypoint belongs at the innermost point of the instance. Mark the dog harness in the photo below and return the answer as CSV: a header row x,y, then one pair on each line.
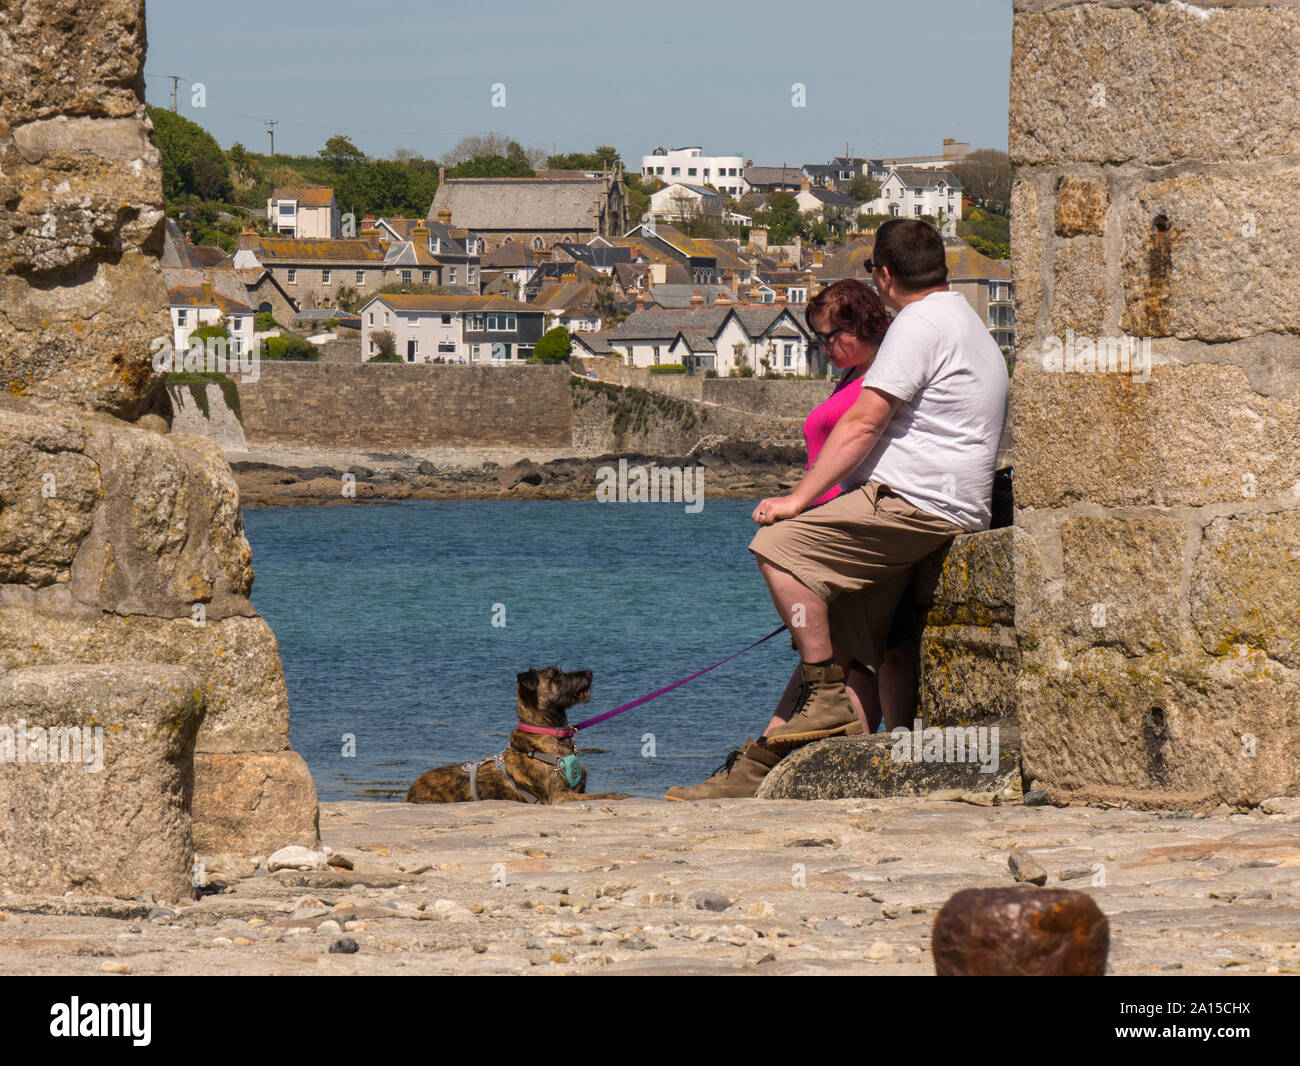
x,y
566,766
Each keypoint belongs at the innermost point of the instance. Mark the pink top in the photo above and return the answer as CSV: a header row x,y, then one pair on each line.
x,y
819,423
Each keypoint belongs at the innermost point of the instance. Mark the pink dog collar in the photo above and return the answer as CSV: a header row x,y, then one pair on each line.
x,y
562,733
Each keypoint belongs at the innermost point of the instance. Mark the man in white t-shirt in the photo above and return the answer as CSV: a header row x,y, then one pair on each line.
x,y
915,455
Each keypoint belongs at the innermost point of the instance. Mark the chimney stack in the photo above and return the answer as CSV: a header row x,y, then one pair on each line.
x,y
721,299
444,215
697,300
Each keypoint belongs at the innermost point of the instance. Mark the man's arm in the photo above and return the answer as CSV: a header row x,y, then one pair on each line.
x,y
849,443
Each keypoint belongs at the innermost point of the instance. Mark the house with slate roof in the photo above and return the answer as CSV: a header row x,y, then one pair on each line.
x,y
718,338
537,212
698,258
453,329
910,192
682,202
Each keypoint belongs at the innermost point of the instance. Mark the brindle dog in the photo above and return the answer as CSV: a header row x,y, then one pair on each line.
x,y
542,697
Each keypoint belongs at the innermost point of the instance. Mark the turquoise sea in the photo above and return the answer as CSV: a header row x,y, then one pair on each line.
x,y
384,615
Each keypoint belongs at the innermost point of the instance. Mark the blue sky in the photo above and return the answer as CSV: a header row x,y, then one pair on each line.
x,y
890,78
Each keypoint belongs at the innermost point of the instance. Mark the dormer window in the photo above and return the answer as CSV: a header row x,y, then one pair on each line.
x,y
435,244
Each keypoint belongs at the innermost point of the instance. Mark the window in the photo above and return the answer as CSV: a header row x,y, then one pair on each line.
x,y
476,323
706,172
426,276
501,323
325,277
372,347
473,351
789,355
236,324
372,319
445,348
677,172
471,271
659,170
289,208
361,277
690,172
291,277
537,244
181,316
446,320
406,277
386,318
916,210
451,275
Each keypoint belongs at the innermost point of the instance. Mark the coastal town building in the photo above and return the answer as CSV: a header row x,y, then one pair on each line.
x,y
453,329
536,212
682,202
774,179
689,165
912,192
310,213
698,259
719,338
194,299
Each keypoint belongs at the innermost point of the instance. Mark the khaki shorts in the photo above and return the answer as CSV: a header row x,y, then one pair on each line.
x,y
856,552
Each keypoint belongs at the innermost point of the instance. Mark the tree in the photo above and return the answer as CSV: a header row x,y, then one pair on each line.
x,y
782,218
605,304
986,174
863,189
554,346
193,163
603,157
384,341
515,165
490,144
341,154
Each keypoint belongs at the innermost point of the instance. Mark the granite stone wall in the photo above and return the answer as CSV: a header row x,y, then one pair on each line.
x,y
1156,398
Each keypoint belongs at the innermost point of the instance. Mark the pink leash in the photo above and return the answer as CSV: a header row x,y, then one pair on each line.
x,y
587,723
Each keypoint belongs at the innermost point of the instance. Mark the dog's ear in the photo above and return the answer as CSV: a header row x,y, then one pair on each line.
x,y
527,680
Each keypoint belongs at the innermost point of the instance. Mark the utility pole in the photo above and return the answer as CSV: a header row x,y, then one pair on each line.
x,y
176,80
270,128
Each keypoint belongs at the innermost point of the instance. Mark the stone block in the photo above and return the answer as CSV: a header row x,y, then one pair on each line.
x,y
49,489
971,582
1159,731
1081,206
1079,287
1101,84
1190,435
69,57
254,804
237,660
1121,585
968,674
1026,257
1226,266
1246,587
111,816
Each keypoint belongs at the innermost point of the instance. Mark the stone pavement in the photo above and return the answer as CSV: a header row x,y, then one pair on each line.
x,y
734,886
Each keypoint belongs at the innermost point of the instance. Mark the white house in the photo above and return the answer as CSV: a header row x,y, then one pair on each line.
x,y
690,165
682,201
201,304
910,192
718,338
304,213
453,329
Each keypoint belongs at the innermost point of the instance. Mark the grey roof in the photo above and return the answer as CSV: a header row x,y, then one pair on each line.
x,y
595,255
698,340
680,295
596,343
833,199
488,204
916,178
774,176
320,314
665,324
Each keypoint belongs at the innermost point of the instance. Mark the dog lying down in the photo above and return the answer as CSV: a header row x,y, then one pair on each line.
x,y
539,764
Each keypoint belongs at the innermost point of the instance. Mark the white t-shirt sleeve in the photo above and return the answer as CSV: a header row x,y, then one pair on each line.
x,y
905,363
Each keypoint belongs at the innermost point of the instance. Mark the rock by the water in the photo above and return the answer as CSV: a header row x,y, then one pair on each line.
x,y
343,946
1026,870
710,901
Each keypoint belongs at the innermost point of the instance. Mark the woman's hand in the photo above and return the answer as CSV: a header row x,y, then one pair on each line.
x,y
775,509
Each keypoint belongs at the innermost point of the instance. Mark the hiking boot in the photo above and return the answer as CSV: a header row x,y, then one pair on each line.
x,y
822,709
737,778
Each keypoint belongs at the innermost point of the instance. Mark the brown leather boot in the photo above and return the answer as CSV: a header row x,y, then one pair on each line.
x,y
737,778
822,709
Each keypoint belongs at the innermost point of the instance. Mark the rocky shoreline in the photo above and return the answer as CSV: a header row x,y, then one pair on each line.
x,y
731,470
